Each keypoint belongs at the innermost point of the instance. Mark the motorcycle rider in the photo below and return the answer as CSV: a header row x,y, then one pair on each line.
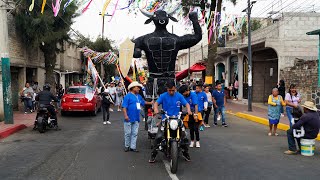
x,y
45,97
171,103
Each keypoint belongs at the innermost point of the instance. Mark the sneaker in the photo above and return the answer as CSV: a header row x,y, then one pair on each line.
x,y
198,144
111,110
282,115
234,99
126,149
225,125
134,150
215,124
118,110
26,112
108,122
186,156
208,126
152,159
191,144
104,122
289,152
269,134
276,134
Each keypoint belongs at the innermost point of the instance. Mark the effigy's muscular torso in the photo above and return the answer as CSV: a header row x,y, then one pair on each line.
x,y
161,53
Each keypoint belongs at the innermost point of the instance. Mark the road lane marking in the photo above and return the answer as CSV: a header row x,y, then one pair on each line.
x,y
167,166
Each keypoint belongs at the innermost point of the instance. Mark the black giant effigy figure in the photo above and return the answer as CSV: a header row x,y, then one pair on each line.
x,y
161,49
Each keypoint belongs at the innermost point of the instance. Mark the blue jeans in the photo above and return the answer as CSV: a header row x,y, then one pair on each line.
x,y
289,114
292,140
27,104
131,134
221,109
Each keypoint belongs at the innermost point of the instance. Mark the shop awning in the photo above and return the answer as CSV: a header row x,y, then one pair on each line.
x,y
195,68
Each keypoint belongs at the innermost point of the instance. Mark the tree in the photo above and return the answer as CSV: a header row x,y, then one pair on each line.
x,y
45,31
255,25
212,48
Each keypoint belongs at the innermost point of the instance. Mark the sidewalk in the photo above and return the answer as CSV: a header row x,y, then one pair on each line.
x,y
259,114
21,121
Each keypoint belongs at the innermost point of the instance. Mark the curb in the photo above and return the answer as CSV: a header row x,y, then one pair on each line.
x,y
261,120
11,130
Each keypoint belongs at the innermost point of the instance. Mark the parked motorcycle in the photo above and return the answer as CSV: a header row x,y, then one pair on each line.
x,y
174,134
44,121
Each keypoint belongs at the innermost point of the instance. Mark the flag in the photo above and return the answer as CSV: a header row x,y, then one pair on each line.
x,y
91,80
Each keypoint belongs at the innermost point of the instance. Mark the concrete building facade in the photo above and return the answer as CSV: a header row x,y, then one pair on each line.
x,y
276,50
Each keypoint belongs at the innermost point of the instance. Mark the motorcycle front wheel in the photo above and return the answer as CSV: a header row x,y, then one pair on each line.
x,y
174,157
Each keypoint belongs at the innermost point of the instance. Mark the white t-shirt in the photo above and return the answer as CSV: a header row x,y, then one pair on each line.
x,y
112,91
209,96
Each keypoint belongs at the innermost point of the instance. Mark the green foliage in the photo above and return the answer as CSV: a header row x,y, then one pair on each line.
x,y
36,28
44,31
255,25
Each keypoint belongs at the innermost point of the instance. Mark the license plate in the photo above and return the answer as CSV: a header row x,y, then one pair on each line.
x,y
76,100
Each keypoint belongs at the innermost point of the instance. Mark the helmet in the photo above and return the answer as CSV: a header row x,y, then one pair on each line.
x,y
46,87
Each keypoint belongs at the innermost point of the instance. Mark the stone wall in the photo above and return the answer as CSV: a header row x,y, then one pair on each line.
x,y
304,73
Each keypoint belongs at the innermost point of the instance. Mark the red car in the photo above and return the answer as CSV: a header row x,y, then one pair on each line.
x,y
74,100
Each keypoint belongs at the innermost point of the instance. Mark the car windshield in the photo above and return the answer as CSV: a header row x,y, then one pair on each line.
x,y
76,91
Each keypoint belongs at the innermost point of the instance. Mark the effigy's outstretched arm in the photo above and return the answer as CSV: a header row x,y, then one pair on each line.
x,y
138,47
190,40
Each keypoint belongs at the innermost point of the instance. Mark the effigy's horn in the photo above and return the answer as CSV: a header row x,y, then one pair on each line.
x,y
146,13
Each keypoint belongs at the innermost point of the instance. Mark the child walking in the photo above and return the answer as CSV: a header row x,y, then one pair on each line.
x,y
106,102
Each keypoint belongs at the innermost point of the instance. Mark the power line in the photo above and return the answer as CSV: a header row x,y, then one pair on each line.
x,y
264,9
280,25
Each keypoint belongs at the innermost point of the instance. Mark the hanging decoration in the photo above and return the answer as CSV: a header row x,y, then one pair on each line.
x,y
31,6
87,7
66,5
105,7
98,57
56,8
43,5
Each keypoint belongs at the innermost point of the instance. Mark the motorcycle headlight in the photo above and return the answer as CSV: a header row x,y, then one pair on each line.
x,y
173,124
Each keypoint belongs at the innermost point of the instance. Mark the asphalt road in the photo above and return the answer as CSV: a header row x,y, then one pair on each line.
x,y
87,149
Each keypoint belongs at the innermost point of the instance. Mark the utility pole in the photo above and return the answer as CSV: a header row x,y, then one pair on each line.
x,y
4,50
6,86
102,33
250,4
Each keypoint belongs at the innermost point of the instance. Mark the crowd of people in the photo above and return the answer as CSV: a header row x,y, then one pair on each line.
x,y
299,115
200,99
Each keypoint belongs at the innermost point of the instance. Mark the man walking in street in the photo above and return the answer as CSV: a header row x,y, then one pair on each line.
x,y
106,102
131,105
311,124
219,101
193,123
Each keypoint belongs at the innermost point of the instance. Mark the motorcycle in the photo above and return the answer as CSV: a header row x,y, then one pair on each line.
x,y
44,121
174,133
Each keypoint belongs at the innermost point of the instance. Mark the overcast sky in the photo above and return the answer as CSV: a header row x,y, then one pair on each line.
x,y
125,25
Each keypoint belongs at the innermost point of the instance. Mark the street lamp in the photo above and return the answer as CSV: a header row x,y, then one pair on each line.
x,y
103,22
248,10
